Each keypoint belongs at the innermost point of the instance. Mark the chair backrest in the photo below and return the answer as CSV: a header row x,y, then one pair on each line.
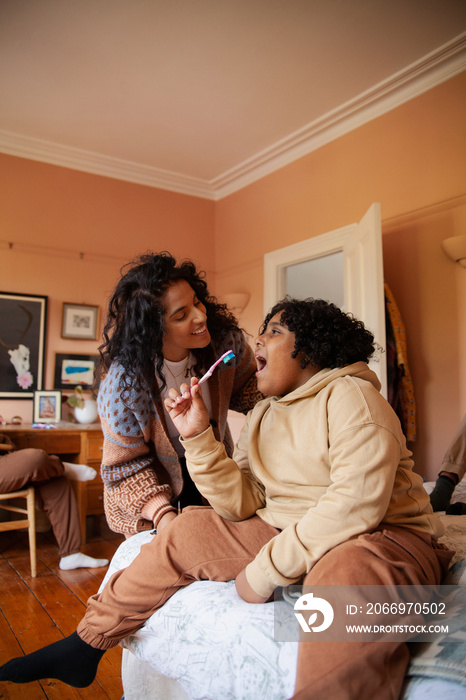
x,y
8,502
6,444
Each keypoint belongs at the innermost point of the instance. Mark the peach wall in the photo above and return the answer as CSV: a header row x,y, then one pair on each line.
x,y
431,290
51,206
51,215
411,160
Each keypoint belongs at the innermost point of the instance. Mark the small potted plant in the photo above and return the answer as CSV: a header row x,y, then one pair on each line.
x,y
84,407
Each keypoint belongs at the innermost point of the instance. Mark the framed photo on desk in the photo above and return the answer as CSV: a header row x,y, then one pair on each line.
x,y
47,406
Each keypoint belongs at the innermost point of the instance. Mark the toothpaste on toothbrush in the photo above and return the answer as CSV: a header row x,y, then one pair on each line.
x,y
226,357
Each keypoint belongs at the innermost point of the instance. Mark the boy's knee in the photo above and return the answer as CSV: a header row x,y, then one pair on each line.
x,y
350,563
190,525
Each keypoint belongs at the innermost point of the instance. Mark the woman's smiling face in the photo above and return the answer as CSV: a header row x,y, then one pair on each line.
x,y
278,373
185,321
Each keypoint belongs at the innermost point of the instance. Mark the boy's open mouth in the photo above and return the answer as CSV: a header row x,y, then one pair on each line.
x,y
261,363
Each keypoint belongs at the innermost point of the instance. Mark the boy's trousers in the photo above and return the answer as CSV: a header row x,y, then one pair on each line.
x,y
200,545
367,670
54,492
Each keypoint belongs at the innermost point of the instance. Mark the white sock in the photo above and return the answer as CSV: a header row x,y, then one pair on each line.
x,y
79,472
80,560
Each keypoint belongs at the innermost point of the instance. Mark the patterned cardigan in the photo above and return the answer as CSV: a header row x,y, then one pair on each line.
x,y
139,460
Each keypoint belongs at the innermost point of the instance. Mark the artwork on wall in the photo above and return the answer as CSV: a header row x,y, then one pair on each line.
x,y
80,321
22,344
47,406
71,370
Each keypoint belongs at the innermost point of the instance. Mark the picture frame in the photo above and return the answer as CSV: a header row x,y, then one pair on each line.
x,y
80,321
23,319
73,369
47,407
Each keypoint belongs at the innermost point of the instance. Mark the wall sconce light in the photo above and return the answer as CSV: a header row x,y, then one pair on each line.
x,y
237,301
455,248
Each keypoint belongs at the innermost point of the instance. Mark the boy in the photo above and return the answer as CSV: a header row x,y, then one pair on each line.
x,y
320,486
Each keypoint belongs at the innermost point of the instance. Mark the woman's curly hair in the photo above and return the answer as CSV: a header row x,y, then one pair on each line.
x,y
133,333
324,335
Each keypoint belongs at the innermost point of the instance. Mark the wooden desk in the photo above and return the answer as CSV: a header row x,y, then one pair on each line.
x,y
81,444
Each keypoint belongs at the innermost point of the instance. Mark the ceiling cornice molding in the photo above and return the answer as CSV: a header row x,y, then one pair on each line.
x,y
423,75
435,68
98,164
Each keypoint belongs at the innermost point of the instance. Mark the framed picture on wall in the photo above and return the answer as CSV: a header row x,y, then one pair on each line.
x,y
47,407
71,370
80,321
23,320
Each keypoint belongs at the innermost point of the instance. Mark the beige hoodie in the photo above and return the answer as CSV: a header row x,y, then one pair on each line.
x,y
324,463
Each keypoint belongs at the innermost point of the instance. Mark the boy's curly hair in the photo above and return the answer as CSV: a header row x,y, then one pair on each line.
x,y
324,334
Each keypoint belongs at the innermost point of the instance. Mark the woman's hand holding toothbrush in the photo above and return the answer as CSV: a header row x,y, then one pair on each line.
x,y
187,409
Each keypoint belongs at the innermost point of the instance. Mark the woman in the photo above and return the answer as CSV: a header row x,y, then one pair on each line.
x,y
162,327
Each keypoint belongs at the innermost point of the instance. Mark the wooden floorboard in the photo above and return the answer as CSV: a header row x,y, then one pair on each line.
x,y
38,611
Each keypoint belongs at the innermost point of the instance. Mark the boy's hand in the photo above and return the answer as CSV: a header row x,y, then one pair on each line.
x,y
245,591
188,410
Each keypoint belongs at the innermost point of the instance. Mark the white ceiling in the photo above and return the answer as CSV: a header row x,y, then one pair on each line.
x,y
204,96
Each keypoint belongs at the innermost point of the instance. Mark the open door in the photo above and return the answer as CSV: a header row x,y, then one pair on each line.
x,y
352,265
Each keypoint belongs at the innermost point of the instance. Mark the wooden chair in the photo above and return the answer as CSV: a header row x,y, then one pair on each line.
x,y
8,502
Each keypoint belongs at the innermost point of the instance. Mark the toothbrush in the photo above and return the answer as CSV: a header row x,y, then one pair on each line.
x,y
226,357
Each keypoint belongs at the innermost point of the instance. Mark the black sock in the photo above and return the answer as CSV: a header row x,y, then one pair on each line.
x,y
70,660
456,509
443,491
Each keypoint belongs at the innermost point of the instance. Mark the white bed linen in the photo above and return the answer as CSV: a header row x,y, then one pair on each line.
x,y
210,641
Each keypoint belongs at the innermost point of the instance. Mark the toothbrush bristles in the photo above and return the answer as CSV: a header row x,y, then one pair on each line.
x,y
226,357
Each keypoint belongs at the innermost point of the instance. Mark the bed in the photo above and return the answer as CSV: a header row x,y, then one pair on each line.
x,y
207,644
